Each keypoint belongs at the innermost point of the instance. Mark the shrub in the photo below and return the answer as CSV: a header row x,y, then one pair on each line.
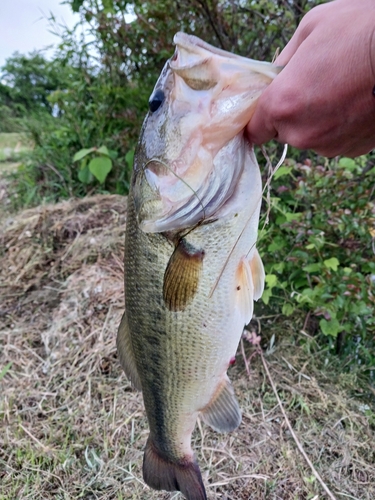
x,y
319,248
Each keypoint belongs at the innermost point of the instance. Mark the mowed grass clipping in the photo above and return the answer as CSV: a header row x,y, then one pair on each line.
x,y
72,427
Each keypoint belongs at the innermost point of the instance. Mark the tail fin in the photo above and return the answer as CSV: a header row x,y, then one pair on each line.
x,y
161,474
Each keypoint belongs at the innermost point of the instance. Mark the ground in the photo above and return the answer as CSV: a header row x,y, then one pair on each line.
x,y
72,427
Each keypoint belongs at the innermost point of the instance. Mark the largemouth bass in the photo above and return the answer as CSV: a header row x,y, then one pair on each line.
x,y
192,270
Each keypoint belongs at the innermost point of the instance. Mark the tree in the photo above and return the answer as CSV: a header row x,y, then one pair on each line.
x,y
106,67
28,81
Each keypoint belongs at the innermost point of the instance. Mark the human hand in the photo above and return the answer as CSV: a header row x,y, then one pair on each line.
x,y
324,98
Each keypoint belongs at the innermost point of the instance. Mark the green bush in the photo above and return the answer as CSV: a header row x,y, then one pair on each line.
x,y
319,248
9,123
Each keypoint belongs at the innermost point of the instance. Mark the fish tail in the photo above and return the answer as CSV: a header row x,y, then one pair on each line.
x,y
162,474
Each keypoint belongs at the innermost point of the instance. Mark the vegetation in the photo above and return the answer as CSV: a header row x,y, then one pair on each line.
x,y
70,424
71,427
319,250
83,112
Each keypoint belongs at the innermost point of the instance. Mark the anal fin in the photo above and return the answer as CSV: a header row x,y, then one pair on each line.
x,y
126,354
223,413
163,474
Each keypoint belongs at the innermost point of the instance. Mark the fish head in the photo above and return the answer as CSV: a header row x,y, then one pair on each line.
x,y
202,100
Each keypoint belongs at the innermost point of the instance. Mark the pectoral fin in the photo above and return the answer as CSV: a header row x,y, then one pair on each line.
x,y
223,413
181,277
126,354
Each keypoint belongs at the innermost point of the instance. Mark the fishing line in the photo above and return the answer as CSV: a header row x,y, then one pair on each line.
x,y
181,179
271,173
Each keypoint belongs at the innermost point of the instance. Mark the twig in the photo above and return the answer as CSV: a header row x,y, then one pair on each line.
x,y
46,472
244,358
44,448
299,446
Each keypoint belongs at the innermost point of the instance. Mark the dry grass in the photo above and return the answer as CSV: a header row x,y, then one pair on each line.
x,y
70,425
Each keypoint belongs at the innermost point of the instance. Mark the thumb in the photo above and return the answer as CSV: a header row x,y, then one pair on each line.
x,y
260,129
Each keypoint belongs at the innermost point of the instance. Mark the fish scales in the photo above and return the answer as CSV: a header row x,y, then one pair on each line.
x,y
192,269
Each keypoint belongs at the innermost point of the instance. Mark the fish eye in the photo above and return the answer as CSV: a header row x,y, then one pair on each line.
x,y
156,100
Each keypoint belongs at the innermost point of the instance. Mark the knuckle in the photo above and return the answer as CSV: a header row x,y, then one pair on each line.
x,y
287,105
301,141
310,21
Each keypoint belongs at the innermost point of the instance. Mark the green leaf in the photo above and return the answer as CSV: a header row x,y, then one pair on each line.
x,y
306,296
287,309
100,167
103,150
129,157
5,370
108,6
82,153
76,4
331,327
280,219
312,268
84,175
279,267
292,216
113,154
347,163
282,171
332,263
359,308
271,280
266,295
277,244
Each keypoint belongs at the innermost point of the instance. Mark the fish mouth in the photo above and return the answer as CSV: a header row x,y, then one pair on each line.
x,y
163,200
147,198
152,189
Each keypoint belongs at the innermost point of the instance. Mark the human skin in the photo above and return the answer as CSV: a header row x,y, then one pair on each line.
x,y
324,98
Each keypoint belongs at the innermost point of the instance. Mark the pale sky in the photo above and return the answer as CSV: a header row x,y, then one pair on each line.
x,y
24,27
